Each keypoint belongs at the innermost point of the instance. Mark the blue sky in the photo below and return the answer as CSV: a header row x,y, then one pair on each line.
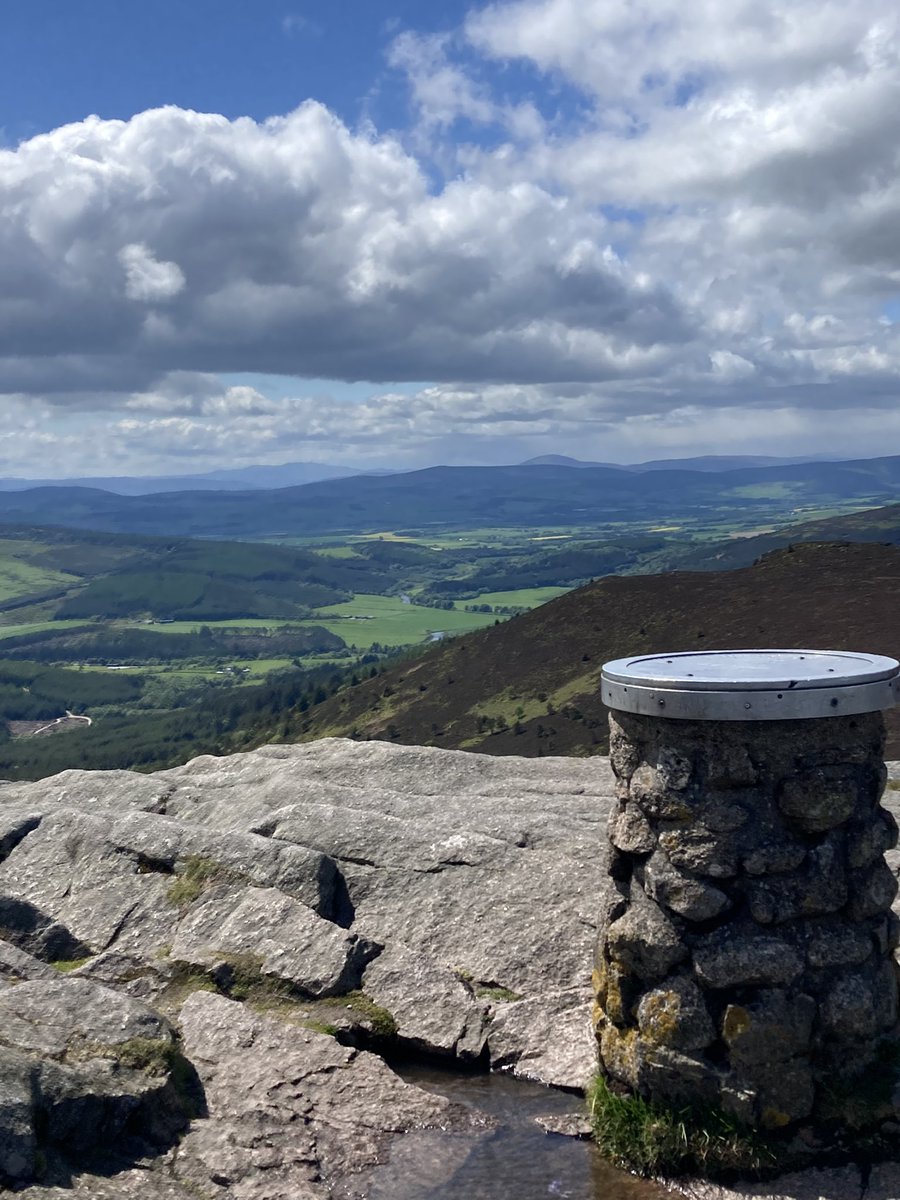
x,y
63,59
397,233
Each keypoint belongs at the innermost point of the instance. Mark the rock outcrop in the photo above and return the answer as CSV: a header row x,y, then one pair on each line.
x,y
196,966
203,971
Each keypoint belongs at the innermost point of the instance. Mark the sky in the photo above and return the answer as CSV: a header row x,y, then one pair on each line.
x,y
384,233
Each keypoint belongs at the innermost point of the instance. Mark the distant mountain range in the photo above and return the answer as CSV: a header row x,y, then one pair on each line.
x,y
531,685
234,479
296,474
704,462
466,498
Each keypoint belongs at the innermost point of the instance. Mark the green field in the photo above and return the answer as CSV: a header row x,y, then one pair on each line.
x,y
18,579
390,622
35,627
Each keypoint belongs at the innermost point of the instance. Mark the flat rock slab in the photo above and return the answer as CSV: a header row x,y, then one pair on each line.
x,y
272,935
291,1112
838,1183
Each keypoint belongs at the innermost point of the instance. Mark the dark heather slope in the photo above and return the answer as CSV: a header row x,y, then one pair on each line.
x,y
530,686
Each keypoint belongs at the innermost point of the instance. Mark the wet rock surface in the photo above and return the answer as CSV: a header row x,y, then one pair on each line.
x,y
210,955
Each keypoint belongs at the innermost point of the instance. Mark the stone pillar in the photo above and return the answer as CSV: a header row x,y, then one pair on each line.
x,y
745,953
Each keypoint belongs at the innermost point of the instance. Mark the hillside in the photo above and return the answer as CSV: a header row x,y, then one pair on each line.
x,y
465,498
122,575
870,525
530,686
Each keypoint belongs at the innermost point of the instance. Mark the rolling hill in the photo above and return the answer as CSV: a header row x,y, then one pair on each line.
x,y
102,575
530,686
465,498
870,525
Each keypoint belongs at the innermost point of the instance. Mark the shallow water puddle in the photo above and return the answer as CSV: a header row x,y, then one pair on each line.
x,y
511,1157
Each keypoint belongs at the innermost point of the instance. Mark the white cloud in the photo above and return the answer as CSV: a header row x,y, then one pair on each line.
x,y
299,247
148,279
712,229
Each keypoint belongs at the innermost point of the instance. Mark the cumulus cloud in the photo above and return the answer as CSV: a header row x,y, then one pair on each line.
x,y
300,247
712,228
148,279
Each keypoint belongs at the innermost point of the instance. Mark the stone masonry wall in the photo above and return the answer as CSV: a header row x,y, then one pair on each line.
x,y
745,953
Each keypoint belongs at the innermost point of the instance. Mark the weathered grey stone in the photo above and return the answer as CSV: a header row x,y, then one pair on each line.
x,y
872,891
885,931
675,1015
835,943
307,1115
16,965
617,989
624,750
629,830
775,856
784,1090
263,932
565,1125
817,888
698,850
106,880
53,1016
676,1078
620,1053
434,1010
830,1183
869,841
79,1063
18,1140
729,765
739,956
771,1027
819,798
689,898
547,1039
723,814
645,940
778,823
861,1002
659,786
485,867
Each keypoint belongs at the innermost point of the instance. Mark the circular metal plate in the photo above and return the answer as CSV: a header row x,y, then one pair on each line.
x,y
752,685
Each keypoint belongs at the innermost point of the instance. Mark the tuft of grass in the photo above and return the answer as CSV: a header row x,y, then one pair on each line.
x,y
382,1021
490,992
153,1055
70,964
322,1027
198,874
652,1139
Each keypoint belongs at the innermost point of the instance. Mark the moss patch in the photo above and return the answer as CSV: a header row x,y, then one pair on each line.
x,y
655,1140
70,964
381,1021
198,874
156,1056
490,992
